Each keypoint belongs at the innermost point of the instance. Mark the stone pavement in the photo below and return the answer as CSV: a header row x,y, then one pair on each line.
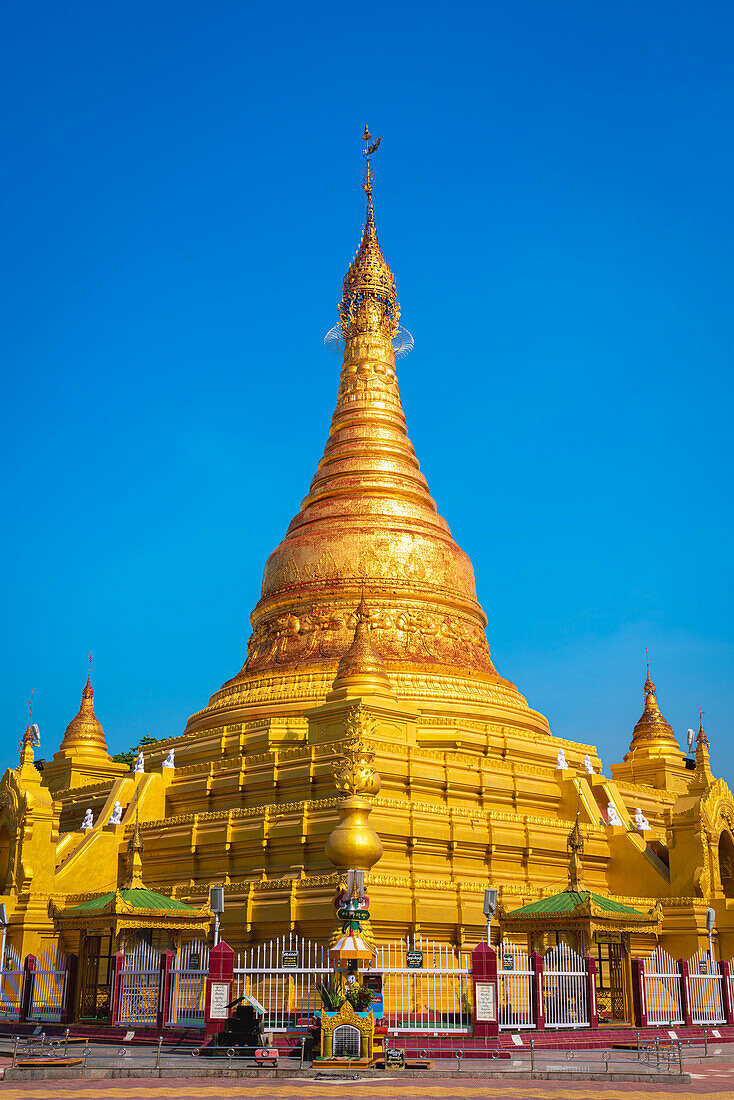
x,y
715,1079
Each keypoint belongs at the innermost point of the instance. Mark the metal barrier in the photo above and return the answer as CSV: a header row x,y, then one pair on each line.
x,y
425,985
283,976
11,984
663,989
48,997
514,986
564,988
707,995
187,987
140,986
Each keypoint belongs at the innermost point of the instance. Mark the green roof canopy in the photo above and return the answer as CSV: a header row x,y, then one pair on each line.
x,y
138,898
568,900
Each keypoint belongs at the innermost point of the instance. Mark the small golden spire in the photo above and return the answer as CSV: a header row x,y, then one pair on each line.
x,y
652,726
135,857
30,739
85,732
361,670
575,849
702,776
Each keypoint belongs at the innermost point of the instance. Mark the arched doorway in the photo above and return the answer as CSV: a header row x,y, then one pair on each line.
x,y
726,864
347,1042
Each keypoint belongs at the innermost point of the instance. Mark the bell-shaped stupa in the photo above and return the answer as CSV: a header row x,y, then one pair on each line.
x,y
368,525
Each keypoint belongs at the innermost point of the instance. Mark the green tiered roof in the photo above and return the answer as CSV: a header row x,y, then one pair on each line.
x,y
567,902
138,898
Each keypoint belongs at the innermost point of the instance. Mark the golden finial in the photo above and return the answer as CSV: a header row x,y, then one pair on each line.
x,y
135,854
575,848
369,303
701,739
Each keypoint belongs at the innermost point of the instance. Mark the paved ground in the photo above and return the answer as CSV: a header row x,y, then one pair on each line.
x,y
715,1079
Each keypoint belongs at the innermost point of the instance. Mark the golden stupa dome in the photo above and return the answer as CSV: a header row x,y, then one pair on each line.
x,y
85,732
652,728
368,525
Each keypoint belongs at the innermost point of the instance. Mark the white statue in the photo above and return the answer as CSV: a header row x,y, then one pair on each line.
x,y
168,762
561,761
641,821
588,766
88,822
116,818
612,816
140,762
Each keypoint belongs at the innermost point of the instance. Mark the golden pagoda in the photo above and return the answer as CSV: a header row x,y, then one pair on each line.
x,y
368,603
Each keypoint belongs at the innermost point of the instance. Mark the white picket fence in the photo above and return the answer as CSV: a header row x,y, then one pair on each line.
x,y
514,986
283,976
140,986
435,996
188,986
705,984
564,988
48,998
663,989
11,984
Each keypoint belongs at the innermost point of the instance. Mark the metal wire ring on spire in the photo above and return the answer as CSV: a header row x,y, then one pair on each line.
x,y
402,342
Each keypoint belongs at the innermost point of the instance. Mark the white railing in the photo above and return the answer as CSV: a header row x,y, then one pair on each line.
x,y
11,984
140,992
707,996
662,989
187,987
284,976
433,996
564,988
48,999
514,986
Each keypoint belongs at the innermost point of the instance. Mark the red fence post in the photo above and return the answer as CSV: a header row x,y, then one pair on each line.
x,y
726,992
639,999
71,966
685,992
168,958
26,995
536,965
218,988
118,972
484,977
590,967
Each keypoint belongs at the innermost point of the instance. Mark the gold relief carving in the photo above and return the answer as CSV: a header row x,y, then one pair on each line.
x,y
326,631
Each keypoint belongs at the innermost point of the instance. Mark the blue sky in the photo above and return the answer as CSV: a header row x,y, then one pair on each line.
x,y
181,197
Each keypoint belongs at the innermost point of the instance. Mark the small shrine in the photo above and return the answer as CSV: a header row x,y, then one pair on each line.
x,y
590,924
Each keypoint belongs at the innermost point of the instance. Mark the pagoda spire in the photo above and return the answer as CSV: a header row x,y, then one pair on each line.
x,y
369,302
575,849
134,879
653,729
85,733
702,774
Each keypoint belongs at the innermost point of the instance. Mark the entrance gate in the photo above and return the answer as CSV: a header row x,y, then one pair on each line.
x,y
95,979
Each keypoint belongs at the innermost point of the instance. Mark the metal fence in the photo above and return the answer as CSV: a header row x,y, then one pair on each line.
x,y
663,989
48,996
705,984
564,988
140,986
188,986
425,985
283,976
11,984
514,986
